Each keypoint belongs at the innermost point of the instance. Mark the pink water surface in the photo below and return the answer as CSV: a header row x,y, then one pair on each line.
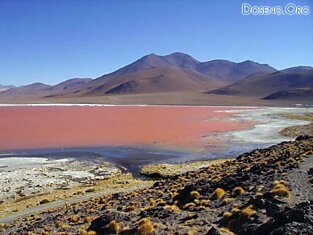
x,y
33,127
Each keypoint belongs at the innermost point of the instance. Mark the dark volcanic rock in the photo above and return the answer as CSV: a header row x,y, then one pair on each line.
x,y
214,231
303,137
101,224
184,195
298,220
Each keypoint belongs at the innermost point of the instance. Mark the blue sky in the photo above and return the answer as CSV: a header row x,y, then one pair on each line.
x,y
51,41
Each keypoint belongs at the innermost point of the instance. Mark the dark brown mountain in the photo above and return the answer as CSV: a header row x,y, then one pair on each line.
x,y
231,72
157,71
264,85
151,76
146,62
155,74
181,60
292,94
176,59
70,84
223,70
154,80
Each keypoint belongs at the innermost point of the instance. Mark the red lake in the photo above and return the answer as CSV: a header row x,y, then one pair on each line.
x,y
39,127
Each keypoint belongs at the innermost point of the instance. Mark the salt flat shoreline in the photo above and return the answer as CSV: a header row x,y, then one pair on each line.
x,y
122,105
155,105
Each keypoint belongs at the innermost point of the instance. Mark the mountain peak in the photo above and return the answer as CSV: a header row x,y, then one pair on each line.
x,y
152,60
70,84
177,54
180,59
148,61
248,62
151,55
297,68
37,85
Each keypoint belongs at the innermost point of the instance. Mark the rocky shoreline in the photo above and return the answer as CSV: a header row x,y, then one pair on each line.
x,y
266,191
165,170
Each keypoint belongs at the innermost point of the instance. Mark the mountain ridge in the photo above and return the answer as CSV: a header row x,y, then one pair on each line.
x,y
179,72
178,60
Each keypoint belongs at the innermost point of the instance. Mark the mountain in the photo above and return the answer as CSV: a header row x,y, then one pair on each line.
x,y
292,94
70,84
222,70
155,80
181,60
44,90
153,73
146,62
262,85
5,87
27,90
176,59
231,72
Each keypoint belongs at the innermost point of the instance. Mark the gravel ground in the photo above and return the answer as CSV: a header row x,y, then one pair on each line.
x,y
299,181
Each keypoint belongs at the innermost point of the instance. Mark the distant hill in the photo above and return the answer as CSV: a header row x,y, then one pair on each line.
x,y
30,89
231,72
5,87
263,85
69,84
293,94
42,89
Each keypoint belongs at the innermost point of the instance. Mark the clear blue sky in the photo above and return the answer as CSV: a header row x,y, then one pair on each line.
x,y
51,41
